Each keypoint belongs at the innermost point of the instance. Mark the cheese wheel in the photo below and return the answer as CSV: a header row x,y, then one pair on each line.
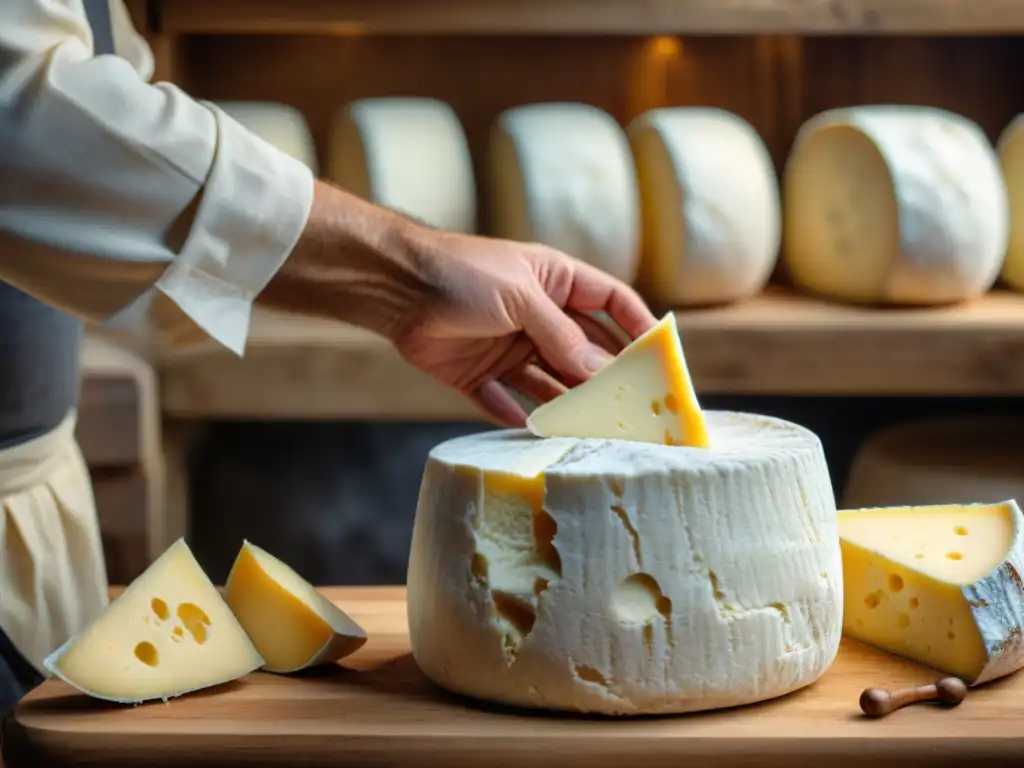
x,y
620,577
952,460
710,206
1011,157
897,204
409,155
278,124
563,175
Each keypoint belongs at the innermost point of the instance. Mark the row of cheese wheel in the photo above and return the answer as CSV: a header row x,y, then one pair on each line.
x,y
899,204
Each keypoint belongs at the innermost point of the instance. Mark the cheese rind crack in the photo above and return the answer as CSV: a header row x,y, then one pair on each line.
x,y
169,633
290,622
627,578
645,394
940,585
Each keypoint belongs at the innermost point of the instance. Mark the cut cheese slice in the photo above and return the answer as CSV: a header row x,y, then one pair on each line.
x,y
644,394
899,204
939,584
167,634
949,460
562,174
291,624
1011,157
710,206
627,578
278,124
407,154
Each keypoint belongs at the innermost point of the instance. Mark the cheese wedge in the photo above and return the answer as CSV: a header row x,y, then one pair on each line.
x,y
644,394
292,625
940,585
169,633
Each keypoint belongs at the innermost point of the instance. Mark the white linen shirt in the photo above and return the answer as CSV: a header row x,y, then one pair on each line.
x,y
128,203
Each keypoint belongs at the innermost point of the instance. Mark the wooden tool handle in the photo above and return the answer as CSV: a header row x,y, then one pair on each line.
x,y
879,702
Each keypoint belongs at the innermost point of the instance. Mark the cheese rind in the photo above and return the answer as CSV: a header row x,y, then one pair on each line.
x,y
169,633
644,394
899,204
626,578
292,625
407,154
709,195
278,124
562,174
940,585
1010,147
947,460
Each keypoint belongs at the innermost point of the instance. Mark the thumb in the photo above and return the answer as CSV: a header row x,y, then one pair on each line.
x,y
562,342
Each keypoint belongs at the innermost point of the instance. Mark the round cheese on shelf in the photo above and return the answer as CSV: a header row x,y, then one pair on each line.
x,y
409,155
1011,157
624,578
951,460
710,206
894,204
278,124
562,174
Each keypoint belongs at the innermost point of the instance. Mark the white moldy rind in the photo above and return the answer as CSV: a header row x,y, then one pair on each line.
x,y
742,597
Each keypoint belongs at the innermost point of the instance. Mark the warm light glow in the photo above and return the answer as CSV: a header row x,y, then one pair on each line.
x,y
664,47
348,29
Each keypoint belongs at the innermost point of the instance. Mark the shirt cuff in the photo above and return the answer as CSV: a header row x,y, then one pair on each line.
x,y
254,207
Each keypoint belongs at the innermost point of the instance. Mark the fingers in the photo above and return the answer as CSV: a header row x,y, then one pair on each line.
x,y
561,341
593,289
534,382
499,405
599,333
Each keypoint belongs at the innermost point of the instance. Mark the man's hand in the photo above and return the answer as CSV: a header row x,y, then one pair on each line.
x,y
506,314
478,314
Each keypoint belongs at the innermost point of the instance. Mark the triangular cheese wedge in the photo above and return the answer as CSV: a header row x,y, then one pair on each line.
x,y
644,394
289,621
940,585
167,634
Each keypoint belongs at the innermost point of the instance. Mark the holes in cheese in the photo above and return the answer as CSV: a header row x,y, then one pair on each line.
x,y
900,204
644,394
917,587
562,174
710,206
407,154
1010,146
167,634
291,624
278,124
684,579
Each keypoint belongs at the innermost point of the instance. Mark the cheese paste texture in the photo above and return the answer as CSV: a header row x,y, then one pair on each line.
x,y
620,577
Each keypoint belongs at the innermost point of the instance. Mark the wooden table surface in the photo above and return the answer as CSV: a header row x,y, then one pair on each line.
x,y
377,709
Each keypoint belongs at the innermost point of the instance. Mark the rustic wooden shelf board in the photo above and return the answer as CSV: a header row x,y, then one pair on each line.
x,y
379,709
615,17
775,344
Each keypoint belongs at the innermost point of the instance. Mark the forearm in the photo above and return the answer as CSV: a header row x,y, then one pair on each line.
x,y
355,262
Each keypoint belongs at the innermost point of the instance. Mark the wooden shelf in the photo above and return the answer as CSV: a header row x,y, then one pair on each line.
x,y
775,344
612,17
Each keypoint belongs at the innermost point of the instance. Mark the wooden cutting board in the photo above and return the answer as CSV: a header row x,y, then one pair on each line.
x,y
378,709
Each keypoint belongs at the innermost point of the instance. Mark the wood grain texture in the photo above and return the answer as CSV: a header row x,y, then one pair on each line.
x,y
377,709
778,344
594,16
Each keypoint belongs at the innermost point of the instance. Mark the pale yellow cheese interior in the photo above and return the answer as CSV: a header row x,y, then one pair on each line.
x,y
904,569
644,394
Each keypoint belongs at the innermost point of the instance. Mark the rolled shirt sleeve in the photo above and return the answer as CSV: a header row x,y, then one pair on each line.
x,y
127,203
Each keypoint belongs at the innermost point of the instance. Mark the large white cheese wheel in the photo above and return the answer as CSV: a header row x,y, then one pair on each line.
x,y
409,155
897,204
563,175
278,124
1011,157
951,460
621,577
710,202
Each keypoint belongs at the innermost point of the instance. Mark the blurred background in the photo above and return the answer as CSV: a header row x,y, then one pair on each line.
x,y
313,445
